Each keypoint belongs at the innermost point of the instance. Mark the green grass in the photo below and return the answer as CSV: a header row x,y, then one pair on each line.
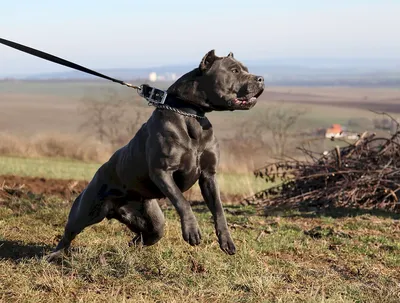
x,y
47,168
275,261
230,183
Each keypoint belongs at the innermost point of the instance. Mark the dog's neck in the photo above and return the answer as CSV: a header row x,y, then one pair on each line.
x,y
184,106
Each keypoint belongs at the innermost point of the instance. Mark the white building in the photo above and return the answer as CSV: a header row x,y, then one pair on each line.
x,y
153,77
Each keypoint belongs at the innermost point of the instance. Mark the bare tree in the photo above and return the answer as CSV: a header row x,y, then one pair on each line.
x,y
111,119
269,131
249,136
280,120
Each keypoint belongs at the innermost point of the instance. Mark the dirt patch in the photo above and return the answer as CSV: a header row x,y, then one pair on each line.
x,y
37,185
11,185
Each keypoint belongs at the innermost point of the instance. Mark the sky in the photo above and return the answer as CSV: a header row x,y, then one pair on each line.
x,y
128,33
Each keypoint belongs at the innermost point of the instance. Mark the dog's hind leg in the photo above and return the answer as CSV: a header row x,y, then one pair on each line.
x,y
87,209
147,222
156,223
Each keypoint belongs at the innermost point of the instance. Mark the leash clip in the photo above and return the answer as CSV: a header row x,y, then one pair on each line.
x,y
152,94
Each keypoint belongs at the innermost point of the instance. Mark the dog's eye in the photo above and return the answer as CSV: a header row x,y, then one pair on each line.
x,y
235,70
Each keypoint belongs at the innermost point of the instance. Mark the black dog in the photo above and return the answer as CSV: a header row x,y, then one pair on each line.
x,y
167,156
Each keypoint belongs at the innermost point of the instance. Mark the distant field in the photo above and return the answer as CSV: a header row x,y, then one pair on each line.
x,y
32,107
320,93
70,89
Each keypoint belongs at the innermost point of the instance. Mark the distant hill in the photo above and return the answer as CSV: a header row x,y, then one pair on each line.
x,y
326,71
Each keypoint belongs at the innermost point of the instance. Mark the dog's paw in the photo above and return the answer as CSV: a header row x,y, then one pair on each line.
x,y
191,232
226,244
54,256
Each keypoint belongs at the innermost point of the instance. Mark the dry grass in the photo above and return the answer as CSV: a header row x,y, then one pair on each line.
x,y
276,260
54,145
87,149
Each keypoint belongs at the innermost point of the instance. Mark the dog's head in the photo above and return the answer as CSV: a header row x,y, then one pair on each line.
x,y
219,83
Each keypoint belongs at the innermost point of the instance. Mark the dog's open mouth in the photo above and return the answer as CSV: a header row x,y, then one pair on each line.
x,y
246,102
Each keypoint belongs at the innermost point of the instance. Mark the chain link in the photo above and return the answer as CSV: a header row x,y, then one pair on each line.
x,y
167,107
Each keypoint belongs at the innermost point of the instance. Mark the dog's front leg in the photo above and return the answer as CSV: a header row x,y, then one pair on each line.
x,y
210,191
190,228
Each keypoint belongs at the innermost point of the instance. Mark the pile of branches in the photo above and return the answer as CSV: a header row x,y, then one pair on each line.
x,y
365,174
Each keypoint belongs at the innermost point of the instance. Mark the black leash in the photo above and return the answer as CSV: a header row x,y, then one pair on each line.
x,y
58,60
154,96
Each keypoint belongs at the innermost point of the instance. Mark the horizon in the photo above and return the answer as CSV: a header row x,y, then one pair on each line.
x,y
176,33
283,70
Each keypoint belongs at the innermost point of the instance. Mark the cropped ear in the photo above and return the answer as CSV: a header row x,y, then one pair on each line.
x,y
208,60
230,55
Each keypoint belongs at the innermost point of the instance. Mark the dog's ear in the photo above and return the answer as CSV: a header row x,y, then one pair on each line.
x,y
230,55
208,60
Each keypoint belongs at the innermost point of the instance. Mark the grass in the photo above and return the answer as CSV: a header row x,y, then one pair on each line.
x,y
230,183
47,168
342,259
276,260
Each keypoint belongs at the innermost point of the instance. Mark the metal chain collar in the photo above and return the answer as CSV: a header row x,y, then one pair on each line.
x,y
167,107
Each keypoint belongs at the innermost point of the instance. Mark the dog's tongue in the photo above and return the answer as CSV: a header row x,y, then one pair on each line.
x,y
238,101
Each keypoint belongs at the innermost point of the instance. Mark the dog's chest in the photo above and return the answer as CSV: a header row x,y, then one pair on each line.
x,y
199,138
189,171
190,160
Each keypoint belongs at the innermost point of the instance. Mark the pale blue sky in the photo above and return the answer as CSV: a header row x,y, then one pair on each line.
x,y
128,33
